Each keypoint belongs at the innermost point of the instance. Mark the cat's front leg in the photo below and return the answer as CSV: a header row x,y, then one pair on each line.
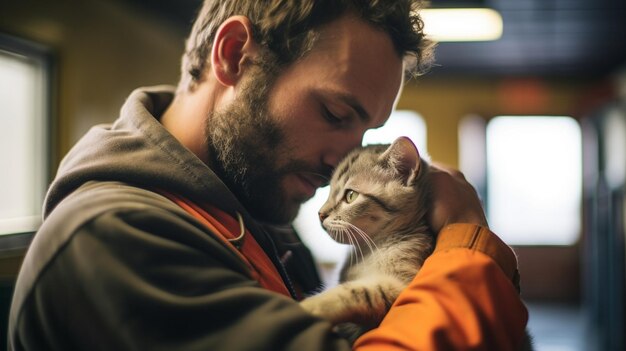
x,y
363,301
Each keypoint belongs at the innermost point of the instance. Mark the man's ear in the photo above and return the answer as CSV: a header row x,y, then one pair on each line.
x,y
233,49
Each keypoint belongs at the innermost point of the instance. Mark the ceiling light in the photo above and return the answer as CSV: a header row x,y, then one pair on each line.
x,y
456,24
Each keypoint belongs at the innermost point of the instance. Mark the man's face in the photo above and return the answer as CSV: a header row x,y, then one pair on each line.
x,y
282,136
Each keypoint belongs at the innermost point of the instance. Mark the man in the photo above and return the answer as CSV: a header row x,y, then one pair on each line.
x,y
154,235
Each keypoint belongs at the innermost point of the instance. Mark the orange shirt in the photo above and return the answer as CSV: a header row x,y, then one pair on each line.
x,y
219,222
463,298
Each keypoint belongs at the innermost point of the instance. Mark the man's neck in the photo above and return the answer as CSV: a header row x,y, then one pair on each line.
x,y
186,117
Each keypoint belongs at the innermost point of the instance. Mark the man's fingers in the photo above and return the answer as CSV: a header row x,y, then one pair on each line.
x,y
440,167
455,200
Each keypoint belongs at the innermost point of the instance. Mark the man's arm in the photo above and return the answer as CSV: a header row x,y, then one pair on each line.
x,y
466,294
461,299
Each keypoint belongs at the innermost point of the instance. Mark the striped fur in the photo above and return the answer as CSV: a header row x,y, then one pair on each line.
x,y
385,224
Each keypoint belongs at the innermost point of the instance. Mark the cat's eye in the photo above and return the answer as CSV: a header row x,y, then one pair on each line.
x,y
351,195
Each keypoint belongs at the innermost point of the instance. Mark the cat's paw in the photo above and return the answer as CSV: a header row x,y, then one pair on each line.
x,y
313,306
320,307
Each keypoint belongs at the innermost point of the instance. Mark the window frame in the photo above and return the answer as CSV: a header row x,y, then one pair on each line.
x,y
42,56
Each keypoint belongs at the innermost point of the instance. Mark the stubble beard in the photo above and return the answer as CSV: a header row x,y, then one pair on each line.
x,y
247,147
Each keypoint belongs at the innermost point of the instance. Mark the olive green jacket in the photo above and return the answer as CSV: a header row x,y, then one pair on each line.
x,y
115,266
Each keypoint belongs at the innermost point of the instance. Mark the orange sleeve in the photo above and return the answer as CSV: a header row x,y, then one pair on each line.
x,y
463,298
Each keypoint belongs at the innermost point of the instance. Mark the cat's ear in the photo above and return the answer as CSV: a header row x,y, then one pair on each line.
x,y
402,156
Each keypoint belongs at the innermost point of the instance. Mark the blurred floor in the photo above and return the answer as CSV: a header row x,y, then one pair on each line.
x,y
556,327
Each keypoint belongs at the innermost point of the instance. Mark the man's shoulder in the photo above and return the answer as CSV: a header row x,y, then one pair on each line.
x,y
83,208
116,235
94,199
97,208
121,217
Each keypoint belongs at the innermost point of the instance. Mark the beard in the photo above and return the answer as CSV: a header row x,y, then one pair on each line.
x,y
249,153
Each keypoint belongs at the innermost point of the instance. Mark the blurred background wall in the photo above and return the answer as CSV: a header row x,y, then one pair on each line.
x,y
554,58
101,50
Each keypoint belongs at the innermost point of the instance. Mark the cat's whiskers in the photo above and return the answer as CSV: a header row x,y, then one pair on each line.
x,y
366,238
338,235
345,230
352,239
355,237
338,228
342,231
337,231
357,244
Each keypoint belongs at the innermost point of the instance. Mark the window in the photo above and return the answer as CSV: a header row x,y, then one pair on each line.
x,y
326,251
23,136
534,179
401,123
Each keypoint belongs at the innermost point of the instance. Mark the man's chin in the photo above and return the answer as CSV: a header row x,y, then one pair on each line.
x,y
278,214
276,217
277,203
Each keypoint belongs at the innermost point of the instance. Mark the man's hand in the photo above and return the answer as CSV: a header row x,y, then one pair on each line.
x,y
454,200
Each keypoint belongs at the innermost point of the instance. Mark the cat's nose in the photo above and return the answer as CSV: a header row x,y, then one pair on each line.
x,y
323,216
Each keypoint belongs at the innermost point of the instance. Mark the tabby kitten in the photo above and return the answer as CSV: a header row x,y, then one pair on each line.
x,y
377,203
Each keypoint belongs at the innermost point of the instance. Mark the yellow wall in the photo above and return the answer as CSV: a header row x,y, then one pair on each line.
x,y
103,50
443,102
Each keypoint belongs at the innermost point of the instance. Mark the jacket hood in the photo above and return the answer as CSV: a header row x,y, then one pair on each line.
x,y
136,149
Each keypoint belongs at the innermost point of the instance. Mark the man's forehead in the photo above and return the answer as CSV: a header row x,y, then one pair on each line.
x,y
366,55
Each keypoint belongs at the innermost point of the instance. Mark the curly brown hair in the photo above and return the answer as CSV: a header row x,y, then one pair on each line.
x,y
288,29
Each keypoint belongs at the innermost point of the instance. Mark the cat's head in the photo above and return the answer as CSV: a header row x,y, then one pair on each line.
x,y
376,190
